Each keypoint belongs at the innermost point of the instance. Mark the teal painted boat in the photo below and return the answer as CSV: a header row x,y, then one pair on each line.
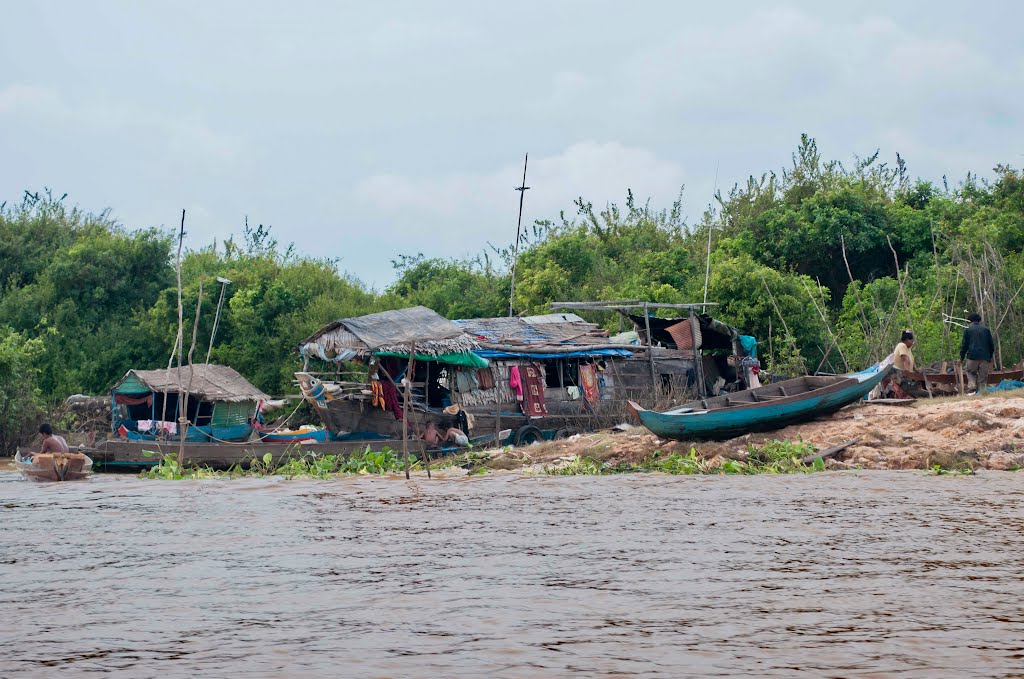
x,y
763,409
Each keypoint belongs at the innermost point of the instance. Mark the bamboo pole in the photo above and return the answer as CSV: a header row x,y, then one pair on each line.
x,y
497,411
906,274
698,360
650,344
406,407
183,431
179,342
860,303
828,328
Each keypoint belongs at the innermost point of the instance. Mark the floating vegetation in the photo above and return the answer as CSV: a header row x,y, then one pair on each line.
x,y
307,466
770,457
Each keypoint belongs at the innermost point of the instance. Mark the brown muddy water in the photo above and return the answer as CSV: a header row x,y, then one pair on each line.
x,y
851,574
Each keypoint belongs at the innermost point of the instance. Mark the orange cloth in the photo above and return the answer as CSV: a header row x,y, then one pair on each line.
x,y
588,380
378,394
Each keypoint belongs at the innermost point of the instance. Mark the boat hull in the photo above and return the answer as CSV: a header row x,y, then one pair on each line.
x,y
950,380
313,436
120,455
54,467
729,422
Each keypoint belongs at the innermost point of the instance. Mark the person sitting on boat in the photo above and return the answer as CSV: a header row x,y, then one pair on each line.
x,y
431,435
456,436
902,356
52,443
900,386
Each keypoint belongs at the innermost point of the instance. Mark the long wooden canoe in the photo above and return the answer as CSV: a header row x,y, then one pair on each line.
x,y
763,409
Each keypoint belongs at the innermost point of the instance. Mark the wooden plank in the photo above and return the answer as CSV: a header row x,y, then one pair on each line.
x,y
828,452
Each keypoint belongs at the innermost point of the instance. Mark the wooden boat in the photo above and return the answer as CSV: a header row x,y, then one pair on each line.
x,y
54,466
762,409
309,435
949,379
118,454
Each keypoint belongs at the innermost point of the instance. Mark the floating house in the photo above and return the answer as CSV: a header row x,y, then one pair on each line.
x,y
220,405
544,376
361,392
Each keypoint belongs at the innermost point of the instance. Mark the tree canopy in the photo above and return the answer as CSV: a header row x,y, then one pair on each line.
x,y
832,258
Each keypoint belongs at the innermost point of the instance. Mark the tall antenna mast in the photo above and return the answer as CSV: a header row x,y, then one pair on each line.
x,y
522,189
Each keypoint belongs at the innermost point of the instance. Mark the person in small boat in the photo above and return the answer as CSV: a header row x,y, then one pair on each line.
x,y
977,347
52,443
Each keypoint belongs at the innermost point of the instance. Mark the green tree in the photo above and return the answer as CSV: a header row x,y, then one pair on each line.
x,y
19,399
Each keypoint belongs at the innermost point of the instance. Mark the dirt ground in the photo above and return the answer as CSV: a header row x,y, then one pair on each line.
x,y
984,432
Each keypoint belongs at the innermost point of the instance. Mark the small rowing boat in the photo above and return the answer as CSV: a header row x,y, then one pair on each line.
x,y
301,435
762,409
54,466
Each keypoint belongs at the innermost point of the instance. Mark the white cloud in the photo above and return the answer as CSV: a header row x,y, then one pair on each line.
x,y
182,136
599,172
19,98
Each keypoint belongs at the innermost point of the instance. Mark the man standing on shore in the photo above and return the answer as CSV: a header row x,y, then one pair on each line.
x,y
978,348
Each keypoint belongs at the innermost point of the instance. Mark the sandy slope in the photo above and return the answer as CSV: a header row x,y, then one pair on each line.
x,y
979,432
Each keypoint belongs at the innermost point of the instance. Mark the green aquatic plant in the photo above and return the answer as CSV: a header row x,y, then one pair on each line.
x,y
770,457
308,465
579,466
965,470
169,469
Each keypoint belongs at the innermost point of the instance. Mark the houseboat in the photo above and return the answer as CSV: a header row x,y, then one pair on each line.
x,y
540,377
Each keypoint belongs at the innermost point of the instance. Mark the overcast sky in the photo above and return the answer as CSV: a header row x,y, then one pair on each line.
x,y
365,130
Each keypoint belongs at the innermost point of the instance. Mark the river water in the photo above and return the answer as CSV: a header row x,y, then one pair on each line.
x,y
870,574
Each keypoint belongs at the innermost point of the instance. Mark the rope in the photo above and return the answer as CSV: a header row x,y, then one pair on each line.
x,y
243,443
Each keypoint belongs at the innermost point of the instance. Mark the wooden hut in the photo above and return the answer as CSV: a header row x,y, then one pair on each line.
x,y
361,393
220,405
714,356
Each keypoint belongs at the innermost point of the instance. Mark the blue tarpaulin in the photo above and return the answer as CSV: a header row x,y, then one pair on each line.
x,y
1006,385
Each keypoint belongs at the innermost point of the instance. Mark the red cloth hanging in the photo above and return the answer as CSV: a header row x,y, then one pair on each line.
x,y
532,377
125,399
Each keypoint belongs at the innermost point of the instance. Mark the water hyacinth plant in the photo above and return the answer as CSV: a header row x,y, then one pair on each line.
x,y
309,465
770,457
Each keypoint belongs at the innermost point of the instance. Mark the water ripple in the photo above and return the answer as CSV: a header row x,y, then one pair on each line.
x,y
869,574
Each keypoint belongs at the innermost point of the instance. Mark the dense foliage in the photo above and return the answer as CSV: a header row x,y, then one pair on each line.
x,y
85,299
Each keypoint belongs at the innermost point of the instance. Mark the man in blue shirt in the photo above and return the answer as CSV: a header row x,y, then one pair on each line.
x,y
977,347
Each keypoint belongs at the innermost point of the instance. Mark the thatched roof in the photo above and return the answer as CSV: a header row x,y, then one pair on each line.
x,y
205,382
558,329
389,331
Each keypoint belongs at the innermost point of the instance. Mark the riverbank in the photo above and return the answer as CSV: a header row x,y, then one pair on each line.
x,y
957,434
962,433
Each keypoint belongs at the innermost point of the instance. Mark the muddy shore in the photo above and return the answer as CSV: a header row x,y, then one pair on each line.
x,y
984,432
957,433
